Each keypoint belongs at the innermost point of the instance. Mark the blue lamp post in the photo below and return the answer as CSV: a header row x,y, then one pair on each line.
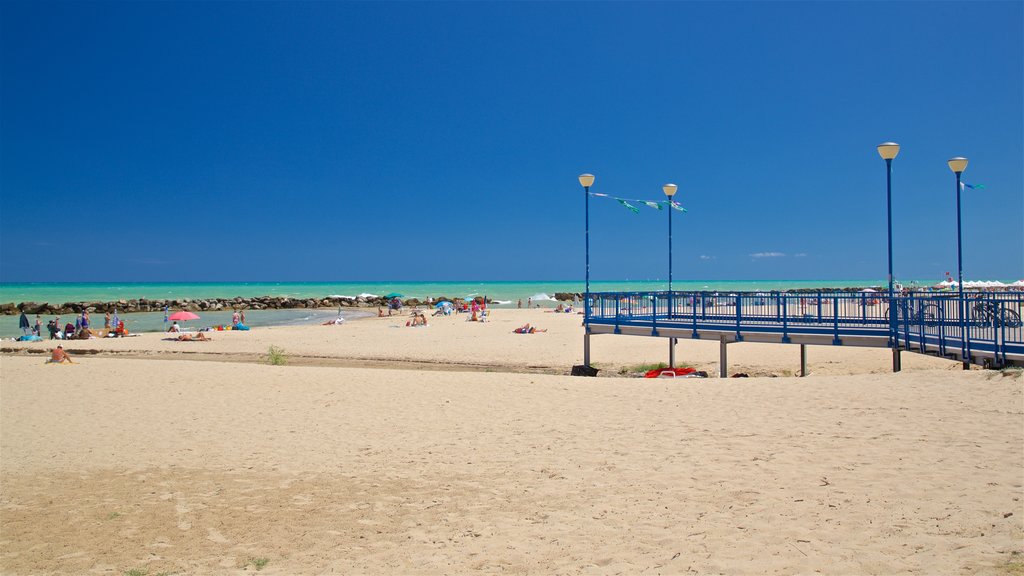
x,y
958,165
888,151
670,191
586,180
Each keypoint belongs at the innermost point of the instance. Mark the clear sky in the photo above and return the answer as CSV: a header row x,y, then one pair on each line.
x,y
441,141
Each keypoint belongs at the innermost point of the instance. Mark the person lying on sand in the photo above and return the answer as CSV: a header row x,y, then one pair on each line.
x,y
336,322
527,329
191,338
59,356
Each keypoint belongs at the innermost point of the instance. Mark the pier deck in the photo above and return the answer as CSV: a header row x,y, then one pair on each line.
x,y
990,334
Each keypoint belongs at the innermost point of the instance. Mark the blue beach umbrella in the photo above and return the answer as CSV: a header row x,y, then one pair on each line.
x,y
443,303
114,321
394,295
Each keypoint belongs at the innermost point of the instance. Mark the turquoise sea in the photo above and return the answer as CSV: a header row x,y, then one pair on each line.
x,y
505,294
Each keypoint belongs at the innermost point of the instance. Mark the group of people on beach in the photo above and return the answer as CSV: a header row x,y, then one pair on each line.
x,y
81,329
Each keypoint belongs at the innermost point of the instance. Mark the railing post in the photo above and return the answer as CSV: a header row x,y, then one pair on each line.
x,y
654,314
694,310
835,321
618,313
785,319
819,306
965,332
941,326
739,315
1000,332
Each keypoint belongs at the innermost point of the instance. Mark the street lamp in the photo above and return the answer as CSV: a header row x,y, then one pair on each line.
x,y
586,180
670,191
958,165
888,151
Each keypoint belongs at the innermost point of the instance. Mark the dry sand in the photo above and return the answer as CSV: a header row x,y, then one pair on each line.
x,y
178,466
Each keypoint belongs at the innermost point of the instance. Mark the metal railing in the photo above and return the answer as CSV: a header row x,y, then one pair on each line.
x,y
922,321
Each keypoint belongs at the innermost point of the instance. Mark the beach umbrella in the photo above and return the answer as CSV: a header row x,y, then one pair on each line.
x,y
114,321
23,323
442,303
184,315
394,295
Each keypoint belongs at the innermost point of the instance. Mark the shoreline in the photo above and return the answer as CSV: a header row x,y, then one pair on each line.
x,y
269,302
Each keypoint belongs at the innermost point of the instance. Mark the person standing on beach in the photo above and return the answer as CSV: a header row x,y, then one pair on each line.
x,y
241,316
520,304
39,326
106,321
529,302
235,318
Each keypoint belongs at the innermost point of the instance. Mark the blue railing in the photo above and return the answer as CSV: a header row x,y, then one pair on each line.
x,y
926,322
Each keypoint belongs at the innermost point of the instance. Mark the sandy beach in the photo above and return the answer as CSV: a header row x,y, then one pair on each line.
x,y
461,447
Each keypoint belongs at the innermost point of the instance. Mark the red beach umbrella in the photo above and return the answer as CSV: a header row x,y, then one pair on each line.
x,y
183,315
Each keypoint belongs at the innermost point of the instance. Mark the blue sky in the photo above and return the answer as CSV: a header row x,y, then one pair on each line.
x,y
441,141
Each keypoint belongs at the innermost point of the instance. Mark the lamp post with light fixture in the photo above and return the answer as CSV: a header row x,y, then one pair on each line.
x,y
958,165
888,151
586,180
670,191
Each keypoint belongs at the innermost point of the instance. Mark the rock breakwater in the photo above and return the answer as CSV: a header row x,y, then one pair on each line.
x,y
207,304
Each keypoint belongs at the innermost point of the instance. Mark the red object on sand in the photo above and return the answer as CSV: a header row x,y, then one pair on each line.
x,y
657,372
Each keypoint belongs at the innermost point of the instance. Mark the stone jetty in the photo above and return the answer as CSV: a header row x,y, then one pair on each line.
x,y
208,304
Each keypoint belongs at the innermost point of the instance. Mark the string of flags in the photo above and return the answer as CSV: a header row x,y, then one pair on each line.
x,y
625,202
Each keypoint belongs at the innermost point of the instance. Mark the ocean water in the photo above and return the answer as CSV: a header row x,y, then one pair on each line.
x,y
506,293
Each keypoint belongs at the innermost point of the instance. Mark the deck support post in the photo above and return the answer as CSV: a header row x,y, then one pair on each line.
x,y
671,352
723,358
897,363
586,347
803,360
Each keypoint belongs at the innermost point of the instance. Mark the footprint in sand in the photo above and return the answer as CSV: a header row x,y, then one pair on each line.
x,y
215,536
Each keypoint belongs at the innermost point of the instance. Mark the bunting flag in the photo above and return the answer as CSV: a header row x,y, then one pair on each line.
x,y
628,205
972,186
625,202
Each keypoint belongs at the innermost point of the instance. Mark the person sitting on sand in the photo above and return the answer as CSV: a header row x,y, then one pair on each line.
x,y
174,327
380,312
559,308
418,319
192,338
59,356
121,330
